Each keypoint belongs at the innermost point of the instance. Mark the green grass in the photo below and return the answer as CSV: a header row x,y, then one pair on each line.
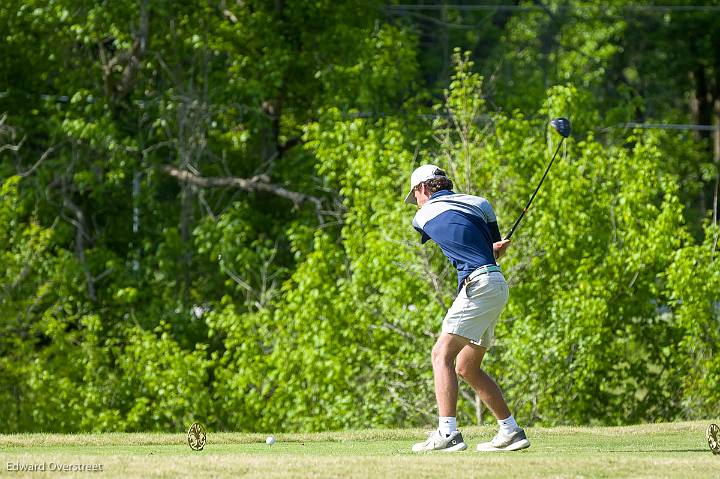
x,y
645,451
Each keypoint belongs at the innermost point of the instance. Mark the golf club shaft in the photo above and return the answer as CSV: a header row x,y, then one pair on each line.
x,y
536,190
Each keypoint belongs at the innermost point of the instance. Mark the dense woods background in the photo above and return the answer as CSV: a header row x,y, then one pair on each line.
x,y
201,210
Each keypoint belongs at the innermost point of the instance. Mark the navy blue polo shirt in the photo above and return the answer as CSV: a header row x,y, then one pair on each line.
x,y
464,226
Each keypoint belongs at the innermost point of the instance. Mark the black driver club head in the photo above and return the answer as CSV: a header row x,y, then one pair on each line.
x,y
561,125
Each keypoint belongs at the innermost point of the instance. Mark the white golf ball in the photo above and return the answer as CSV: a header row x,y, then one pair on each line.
x,y
270,440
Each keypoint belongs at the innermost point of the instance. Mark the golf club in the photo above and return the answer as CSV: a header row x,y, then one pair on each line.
x,y
562,126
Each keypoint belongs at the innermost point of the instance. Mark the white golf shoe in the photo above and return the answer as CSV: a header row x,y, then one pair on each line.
x,y
506,442
439,442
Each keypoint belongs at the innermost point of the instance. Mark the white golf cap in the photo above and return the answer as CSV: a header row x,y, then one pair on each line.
x,y
422,173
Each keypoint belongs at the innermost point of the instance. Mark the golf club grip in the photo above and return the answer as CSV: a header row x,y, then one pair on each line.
x,y
517,222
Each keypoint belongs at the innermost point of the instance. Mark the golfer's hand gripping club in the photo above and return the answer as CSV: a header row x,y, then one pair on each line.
x,y
500,247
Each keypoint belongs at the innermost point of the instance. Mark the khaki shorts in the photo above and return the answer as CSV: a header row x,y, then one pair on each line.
x,y
476,309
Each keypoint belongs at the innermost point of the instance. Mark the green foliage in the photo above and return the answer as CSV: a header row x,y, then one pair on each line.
x,y
693,285
27,287
135,300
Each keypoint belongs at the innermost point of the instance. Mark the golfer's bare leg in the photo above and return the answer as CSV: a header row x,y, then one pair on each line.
x,y
468,367
444,353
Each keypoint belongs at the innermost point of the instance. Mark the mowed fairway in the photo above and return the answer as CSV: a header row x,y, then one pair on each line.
x,y
657,450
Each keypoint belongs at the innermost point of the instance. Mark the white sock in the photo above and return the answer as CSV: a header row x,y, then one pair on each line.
x,y
447,425
507,425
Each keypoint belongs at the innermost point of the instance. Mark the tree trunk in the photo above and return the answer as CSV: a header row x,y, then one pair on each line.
x,y
701,107
80,235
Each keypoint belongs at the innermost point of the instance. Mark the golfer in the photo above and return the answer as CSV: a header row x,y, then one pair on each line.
x,y
466,230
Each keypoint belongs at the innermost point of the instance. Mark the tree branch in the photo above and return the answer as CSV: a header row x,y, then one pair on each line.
x,y
9,131
130,58
294,141
248,184
138,50
14,148
44,156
